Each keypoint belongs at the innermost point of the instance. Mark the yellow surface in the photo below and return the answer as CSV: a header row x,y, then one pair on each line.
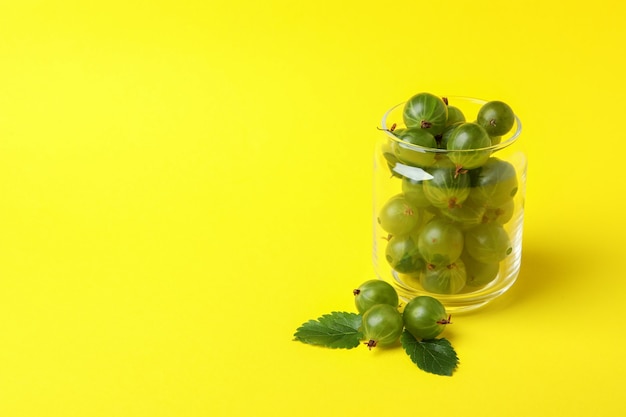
x,y
183,183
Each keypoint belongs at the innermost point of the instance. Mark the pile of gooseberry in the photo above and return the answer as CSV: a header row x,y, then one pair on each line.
x,y
377,301
447,232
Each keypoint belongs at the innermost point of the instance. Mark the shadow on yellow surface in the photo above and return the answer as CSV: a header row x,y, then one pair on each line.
x,y
549,274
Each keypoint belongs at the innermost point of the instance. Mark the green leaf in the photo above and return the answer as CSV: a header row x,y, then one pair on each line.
x,y
436,356
334,330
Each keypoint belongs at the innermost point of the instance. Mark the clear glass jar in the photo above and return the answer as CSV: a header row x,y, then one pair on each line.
x,y
443,230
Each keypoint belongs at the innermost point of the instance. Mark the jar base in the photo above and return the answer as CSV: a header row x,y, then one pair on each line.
x,y
456,303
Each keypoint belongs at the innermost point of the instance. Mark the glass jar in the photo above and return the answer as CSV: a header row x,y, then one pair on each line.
x,y
448,223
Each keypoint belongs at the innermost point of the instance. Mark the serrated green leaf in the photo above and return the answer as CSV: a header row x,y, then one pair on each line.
x,y
436,356
334,330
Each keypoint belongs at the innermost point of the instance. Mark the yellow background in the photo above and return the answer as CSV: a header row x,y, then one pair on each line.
x,y
183,183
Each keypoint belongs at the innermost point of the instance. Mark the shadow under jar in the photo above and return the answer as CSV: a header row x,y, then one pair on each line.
x,y
448,223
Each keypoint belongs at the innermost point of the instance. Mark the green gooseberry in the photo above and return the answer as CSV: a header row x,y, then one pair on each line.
x,y
425,317
373,292
496,117
426,111
382,325
415,147
467,143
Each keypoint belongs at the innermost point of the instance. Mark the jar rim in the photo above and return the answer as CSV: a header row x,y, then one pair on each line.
x,y
496,147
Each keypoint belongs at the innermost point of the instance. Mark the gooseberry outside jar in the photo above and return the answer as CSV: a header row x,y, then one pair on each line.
x,y
448,223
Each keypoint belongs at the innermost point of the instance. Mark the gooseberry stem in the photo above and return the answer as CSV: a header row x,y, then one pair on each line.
x,y
356,292
459,170
370,344
445,321
391,129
